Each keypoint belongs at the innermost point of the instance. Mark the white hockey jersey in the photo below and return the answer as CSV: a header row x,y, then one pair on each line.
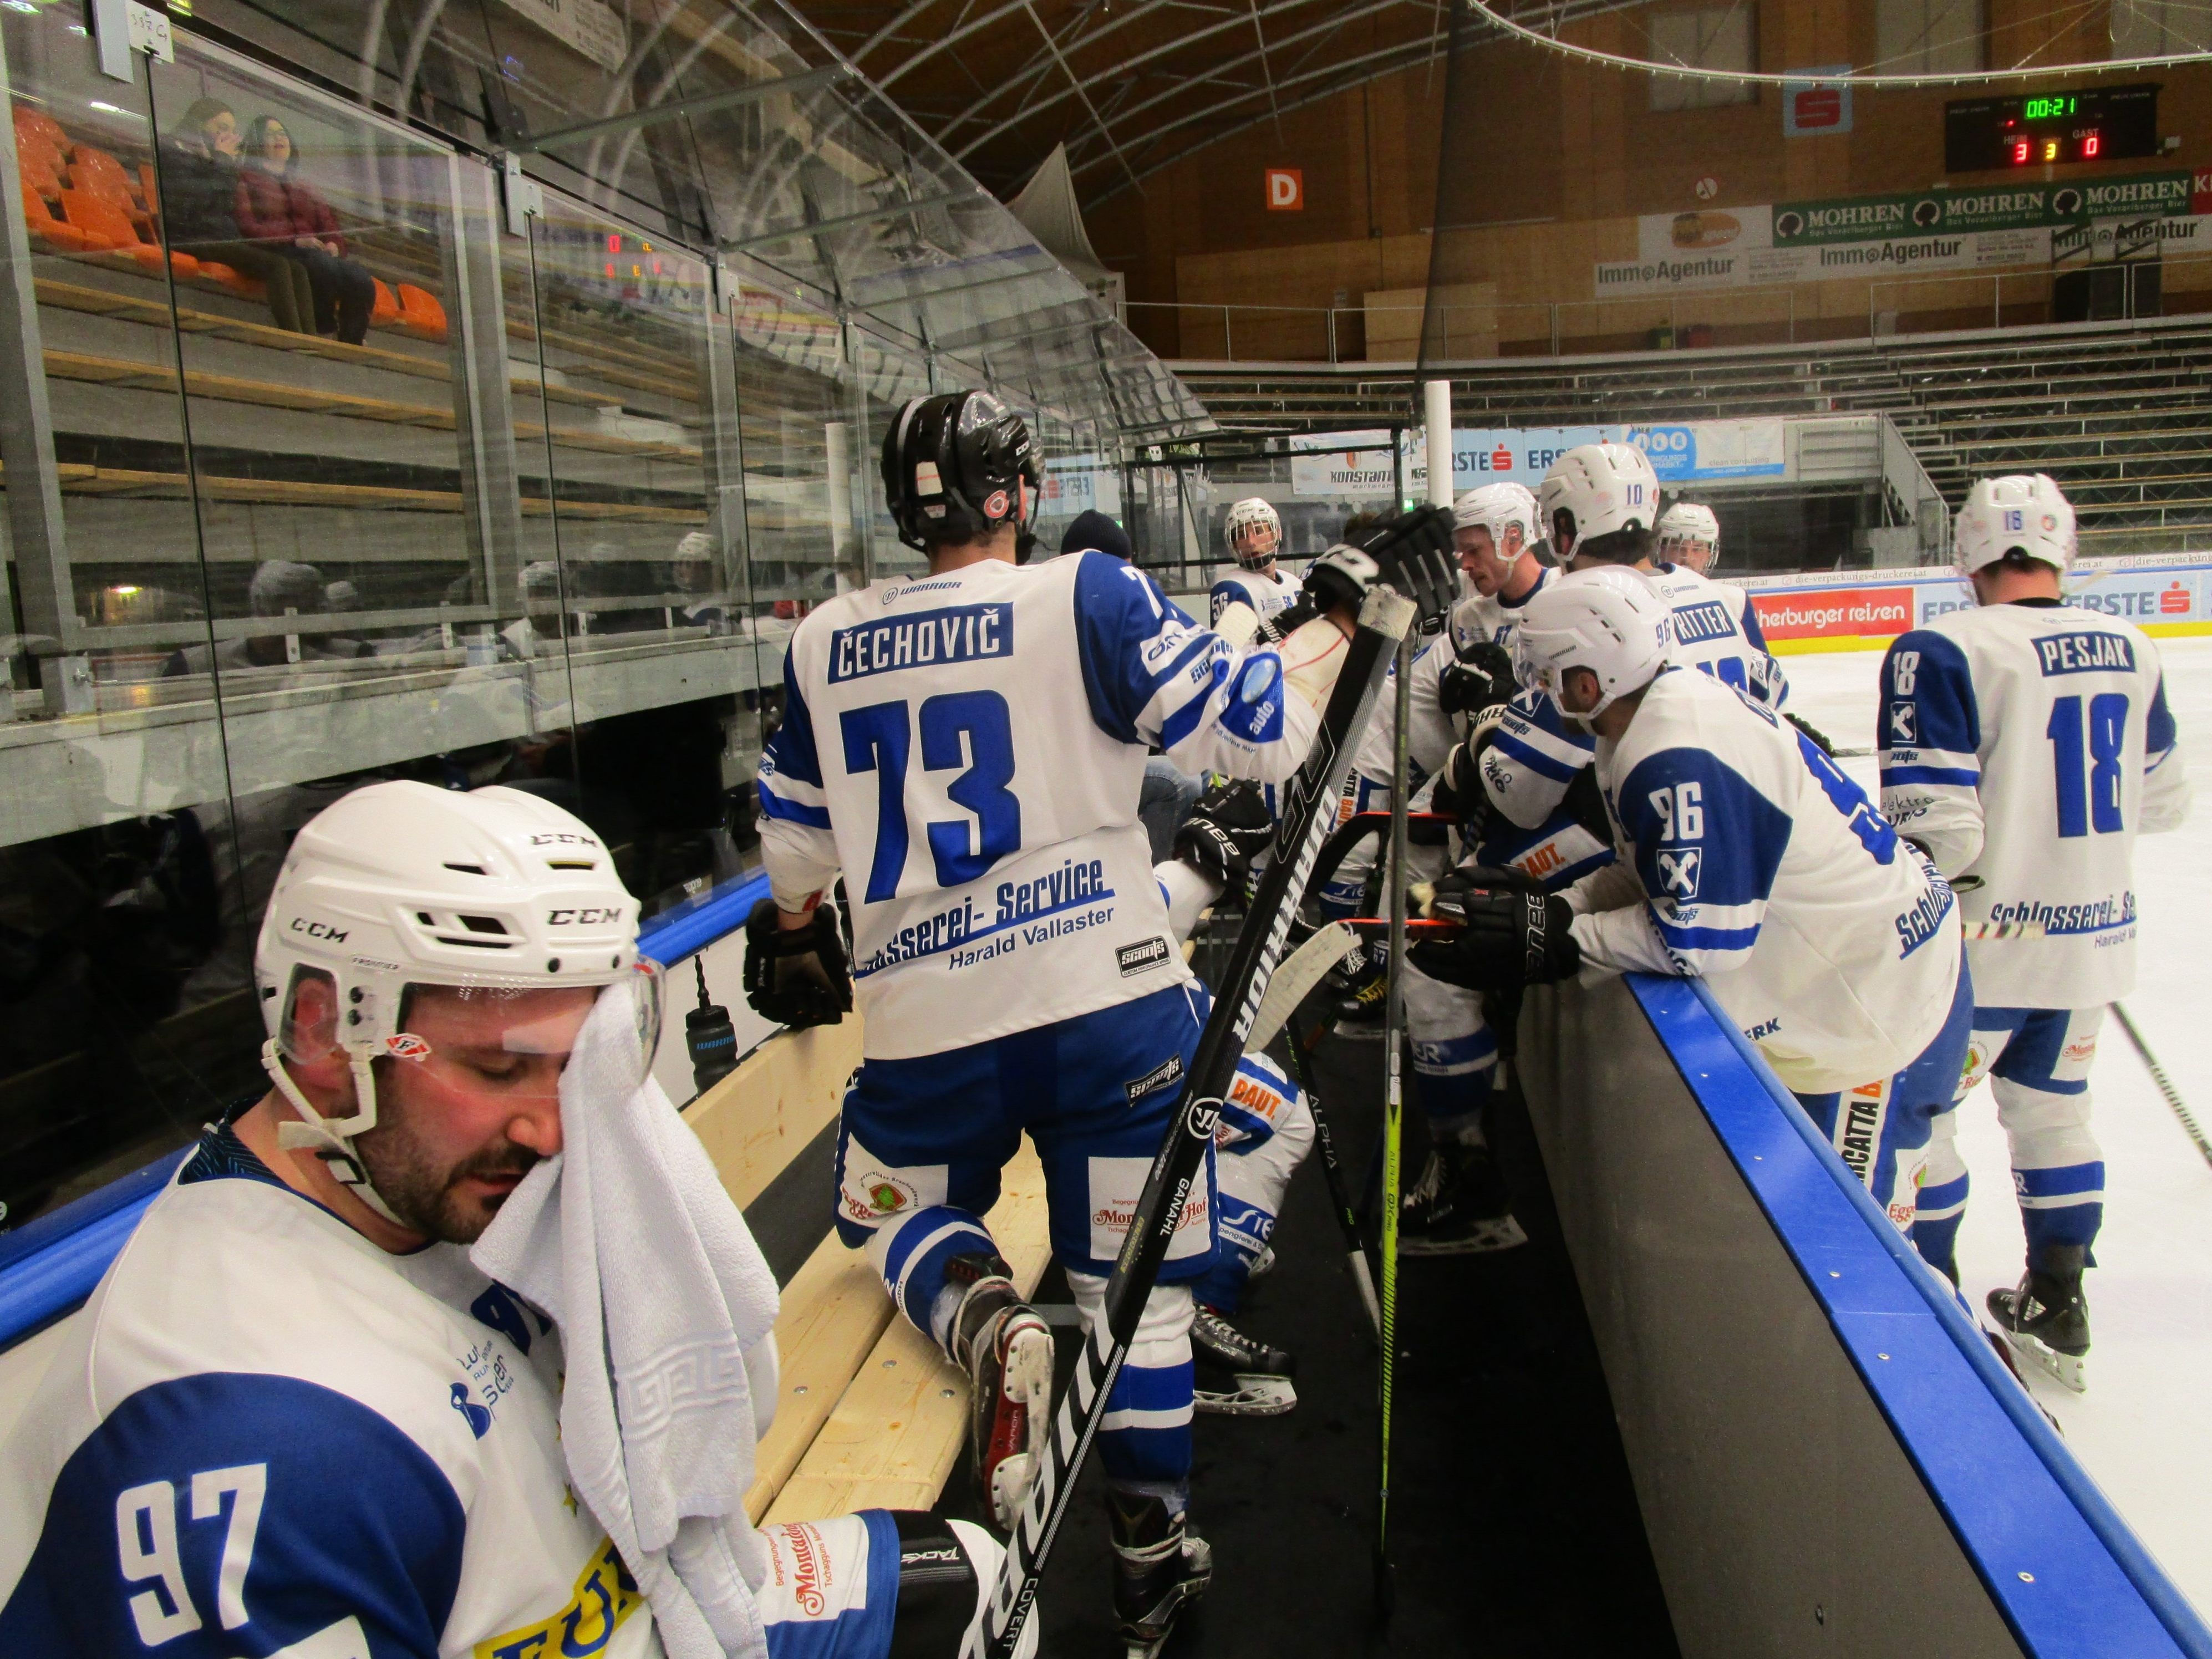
x,y
1536,750
1430,732
1267,595
968,749
1749,859
265,1433
2028,746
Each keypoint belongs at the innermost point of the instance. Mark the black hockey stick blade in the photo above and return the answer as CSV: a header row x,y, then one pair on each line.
x,y
1309,805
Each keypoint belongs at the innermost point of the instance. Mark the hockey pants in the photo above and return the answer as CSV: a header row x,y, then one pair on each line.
x,y
920,1146
1881,1129
859,1586
2037,1062
1253,1174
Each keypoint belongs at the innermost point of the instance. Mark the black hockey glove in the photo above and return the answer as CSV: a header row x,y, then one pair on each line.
x,y
1820,738
796,976
1287,621
1228,828
1510,935
1411,554
1458,792
1586,802
1481,678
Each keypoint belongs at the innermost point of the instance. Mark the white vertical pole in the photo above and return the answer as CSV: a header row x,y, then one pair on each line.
x,y
1435,401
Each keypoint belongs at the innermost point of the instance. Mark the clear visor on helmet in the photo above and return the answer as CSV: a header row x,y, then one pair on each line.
x,y
488,1037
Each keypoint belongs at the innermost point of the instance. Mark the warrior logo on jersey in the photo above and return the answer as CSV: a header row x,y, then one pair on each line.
x,y
1904,723
1678,871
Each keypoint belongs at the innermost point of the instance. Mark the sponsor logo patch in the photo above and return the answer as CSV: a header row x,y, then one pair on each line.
x,y
874,1190
1140,957
604,1597
1904,723
1116,1184
1678,871
1158,1077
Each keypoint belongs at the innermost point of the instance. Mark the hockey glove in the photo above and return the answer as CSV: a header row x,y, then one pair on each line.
x,y
1481,680
1509,935
1458,792
1228,828
1411,553
796,976
1820,738
1585,801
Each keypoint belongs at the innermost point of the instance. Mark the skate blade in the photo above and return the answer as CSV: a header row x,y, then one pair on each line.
x,y
1502,1234
1256,1396
1027,1382
2066,1369
1147,1645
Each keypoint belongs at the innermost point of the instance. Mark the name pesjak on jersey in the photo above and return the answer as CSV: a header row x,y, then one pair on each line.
x,y
2027,745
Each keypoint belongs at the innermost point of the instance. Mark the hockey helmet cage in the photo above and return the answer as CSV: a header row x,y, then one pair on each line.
x,y
953,467
1608,620
2027,512
494,893
1252,514
1491,507
1595,489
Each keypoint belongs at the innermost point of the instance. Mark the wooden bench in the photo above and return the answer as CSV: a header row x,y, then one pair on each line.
x,y
869,1414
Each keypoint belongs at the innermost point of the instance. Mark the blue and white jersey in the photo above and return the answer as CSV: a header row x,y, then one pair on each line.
x,y
1755,863
969,750
2028,746
1537,750
1431,733
1276,590
265,1434
1715,630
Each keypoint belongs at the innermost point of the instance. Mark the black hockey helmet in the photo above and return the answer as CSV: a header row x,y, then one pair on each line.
x,y
953,467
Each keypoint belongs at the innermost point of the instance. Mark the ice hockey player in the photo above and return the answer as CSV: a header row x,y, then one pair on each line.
x,y
965,748
2024,744
1255,532
1751,862
1689,538
295,1418
1266,1126
1459,1203
1523,772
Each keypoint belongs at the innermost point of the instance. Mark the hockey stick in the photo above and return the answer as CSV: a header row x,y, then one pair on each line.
x,y
1394,1106
1292,982
1340,1195
2165,1083
1309,802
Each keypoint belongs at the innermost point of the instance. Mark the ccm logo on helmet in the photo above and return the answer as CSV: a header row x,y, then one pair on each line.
x,y
574,918
562,838
321,930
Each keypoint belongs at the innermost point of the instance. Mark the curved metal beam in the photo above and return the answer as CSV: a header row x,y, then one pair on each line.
x,y
1211,71
1410,53
1125,66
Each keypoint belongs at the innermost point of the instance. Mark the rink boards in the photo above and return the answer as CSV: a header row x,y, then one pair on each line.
x,y
1828,1455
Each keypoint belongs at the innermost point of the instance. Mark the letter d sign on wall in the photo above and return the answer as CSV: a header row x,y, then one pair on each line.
x,y
1286,190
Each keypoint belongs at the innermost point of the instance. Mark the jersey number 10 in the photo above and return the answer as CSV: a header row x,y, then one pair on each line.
x,y
2088,786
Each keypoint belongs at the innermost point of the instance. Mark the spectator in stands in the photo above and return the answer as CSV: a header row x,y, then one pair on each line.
x,y
695,573
199,212
282,210
281,589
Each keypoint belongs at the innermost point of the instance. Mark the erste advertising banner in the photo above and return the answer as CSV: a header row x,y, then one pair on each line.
x,y
1684,453
2162,592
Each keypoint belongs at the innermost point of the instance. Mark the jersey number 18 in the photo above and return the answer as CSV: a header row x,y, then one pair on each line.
x,y
2089,786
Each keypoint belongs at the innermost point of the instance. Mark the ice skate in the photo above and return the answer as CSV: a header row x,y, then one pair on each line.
x,y
1005,1347
2046,1318
1239,1375
1458,1206
1160,1567
1358,1004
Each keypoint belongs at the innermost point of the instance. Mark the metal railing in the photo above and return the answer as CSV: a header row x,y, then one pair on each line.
x,y
1934,303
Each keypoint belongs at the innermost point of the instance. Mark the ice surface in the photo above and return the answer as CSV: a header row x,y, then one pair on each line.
x,y
2142,1430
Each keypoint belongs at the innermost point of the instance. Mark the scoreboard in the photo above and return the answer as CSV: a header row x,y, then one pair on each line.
x,y
2087,124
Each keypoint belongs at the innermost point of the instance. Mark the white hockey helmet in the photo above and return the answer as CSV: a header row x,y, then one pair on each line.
x,y
1595,489
1690,529
1491,507
494,893
1255,520
2025,511
1609,620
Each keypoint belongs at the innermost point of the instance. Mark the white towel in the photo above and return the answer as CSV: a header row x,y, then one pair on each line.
x,y
628,1242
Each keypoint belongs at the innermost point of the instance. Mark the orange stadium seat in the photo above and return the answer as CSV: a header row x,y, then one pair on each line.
x,y
420,313
48,232
385,314
102,217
